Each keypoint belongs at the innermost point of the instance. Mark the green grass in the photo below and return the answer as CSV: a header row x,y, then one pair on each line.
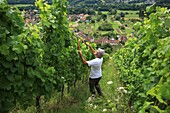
x,y
85,27
116,24
129,23
131,14
109,74
99,104
94,27
129,11
104,12
128,30
82,93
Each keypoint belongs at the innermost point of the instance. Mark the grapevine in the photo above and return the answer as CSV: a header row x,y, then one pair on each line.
x,y
144,63
36,60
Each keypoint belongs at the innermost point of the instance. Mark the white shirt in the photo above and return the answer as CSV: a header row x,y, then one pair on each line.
x,y
96,65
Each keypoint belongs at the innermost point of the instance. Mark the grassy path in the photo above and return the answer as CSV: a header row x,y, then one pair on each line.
x,y
77,101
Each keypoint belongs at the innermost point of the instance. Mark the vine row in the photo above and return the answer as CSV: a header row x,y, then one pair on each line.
x,y
38,59
144,63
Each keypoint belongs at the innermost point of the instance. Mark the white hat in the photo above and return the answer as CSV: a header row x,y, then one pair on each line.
x,y
100,52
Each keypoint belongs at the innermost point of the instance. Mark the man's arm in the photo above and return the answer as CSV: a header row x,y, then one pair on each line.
x,y
91,48
82,58
80,54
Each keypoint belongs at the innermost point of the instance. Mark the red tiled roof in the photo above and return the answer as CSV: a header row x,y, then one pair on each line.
x,y
102,39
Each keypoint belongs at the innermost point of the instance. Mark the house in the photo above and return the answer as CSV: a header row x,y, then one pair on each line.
x,y
122,38
102,40
113,42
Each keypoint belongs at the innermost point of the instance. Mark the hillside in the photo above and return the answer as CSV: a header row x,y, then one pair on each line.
x,y
81,1
103,4
70,1
22,1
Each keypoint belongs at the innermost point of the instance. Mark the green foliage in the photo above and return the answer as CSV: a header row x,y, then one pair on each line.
x,y
104,16
106,57
122,27
107,47
144,64
23,74
122,14
105,27
36,60
141,13
109,34
137,25
113,12
117,17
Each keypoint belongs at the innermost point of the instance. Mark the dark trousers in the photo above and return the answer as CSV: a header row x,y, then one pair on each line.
x,y
94,83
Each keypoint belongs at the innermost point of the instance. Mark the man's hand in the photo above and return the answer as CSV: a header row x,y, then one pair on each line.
x,y
87,44
79,51
82,39
91,48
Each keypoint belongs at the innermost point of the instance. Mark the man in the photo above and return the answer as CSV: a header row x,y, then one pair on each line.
x,y
96,71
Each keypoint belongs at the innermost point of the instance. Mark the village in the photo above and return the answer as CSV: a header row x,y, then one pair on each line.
x,y
32,17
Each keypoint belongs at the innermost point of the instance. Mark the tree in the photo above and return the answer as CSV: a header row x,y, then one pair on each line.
x,y
93,21
117,17
113,11
141,13
99,13
104,16
88,18
122,14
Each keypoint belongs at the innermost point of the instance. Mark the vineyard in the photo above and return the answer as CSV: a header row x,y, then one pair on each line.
x,y
38,60
144,63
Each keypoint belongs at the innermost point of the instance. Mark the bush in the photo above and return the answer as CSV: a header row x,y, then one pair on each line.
x,y
126,13
106,57
117,17
80,21
98,19
105,27
122,14
122,27
92,21
134,20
